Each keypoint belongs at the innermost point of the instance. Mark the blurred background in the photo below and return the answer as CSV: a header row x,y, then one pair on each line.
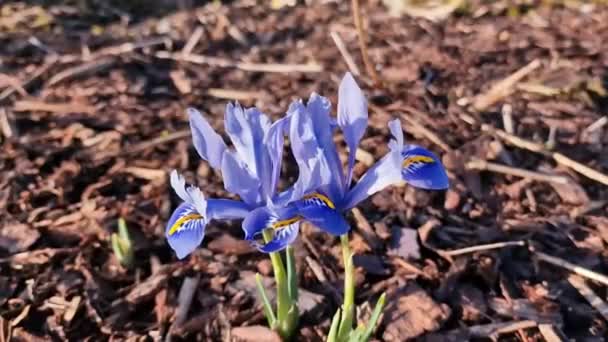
x,y
511,94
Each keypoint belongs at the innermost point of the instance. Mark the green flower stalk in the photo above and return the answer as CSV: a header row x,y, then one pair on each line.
x,y
342,324
286,282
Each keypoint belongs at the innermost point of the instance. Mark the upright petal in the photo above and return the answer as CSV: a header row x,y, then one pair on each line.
x,y
239,180
274,141
209,145
185,230
319,109
421,168
310,153
352,118
247,129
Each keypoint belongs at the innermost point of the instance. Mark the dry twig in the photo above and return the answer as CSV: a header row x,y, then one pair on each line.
x,y
540,148
348,59
587,273
224,63
504,87
483,165
485,247
361,33
593,299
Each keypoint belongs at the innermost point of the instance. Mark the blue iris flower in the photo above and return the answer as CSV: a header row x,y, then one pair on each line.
x,y
330,193
251,170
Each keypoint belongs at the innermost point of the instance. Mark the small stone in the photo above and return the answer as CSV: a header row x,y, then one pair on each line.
x,y
452,200
255,333
265,267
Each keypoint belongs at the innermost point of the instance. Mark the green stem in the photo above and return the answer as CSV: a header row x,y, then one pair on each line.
x,y
348,308
284,302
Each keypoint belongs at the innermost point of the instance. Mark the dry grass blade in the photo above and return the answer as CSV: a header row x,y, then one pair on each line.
x,y
540,148
485,247
551,333
496,329
348,59
82,69
428,9
232,94
225,63
587,273
144,145
59,108
362,35
482,165
504,87
590,296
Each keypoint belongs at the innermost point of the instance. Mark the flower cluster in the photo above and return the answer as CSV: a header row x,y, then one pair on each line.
x,y
324,189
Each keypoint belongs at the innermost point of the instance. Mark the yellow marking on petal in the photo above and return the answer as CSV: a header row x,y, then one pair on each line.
x,y
323,198
178,224
286,222
417,159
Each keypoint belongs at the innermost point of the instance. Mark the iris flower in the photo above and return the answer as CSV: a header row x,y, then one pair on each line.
x,y
310,129
250,171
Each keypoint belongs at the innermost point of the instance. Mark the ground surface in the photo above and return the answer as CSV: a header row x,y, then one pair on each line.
x,y
91,128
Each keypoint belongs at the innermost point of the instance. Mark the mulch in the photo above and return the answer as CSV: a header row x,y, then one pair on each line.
x,y
512,95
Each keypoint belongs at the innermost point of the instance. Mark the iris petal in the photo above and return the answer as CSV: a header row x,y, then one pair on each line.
x,y
247,129
421,168
209,145
185,230
239,180
321,212
352,118
275,140
282,238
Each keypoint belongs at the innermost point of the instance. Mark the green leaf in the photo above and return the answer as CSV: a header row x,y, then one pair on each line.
x,y
268,312
371,325
292,275
332,336
123,232
121,244
357,334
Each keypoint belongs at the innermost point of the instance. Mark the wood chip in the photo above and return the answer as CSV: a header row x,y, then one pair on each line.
x,y
411,312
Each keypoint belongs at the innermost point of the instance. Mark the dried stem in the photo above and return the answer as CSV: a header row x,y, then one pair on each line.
x,y
371,71
478,164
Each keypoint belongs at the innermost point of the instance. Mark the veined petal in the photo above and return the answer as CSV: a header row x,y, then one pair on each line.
x,y
192,194
421,168
319,108
385,172
247,129
274,141
185,230
209,145
319,210
281,239
395,127
239,180
226,209
352,118
310,153
282,221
